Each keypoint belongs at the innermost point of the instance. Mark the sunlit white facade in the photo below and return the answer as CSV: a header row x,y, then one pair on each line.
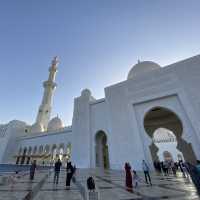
x,y
118,128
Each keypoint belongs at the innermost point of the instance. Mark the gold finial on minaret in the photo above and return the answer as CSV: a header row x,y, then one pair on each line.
x,y
55,61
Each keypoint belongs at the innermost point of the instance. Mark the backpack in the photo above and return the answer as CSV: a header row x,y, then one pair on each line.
x,y
90,183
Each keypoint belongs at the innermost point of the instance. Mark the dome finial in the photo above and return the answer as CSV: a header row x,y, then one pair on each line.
x,y
142,68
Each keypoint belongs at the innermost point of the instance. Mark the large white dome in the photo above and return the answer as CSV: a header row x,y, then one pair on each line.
x,y
37,128
141,68
55,124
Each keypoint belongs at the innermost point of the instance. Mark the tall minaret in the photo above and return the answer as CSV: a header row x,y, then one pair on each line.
x,y
44,112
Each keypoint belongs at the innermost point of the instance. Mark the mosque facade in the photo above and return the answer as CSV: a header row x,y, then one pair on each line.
x,y
116,129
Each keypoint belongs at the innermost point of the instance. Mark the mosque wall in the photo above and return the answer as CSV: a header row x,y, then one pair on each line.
x,y
4,139
120,115
158,87
99,122
51,139
182,80
125,131
8,143
126,144
188,73
173,104
44,147
81,130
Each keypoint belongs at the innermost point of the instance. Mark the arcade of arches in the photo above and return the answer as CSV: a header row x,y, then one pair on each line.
x,y
46,155
102,156
160,117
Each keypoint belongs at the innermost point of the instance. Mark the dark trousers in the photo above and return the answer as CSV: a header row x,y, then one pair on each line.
x,y
68,180
32,174
147,176
56,177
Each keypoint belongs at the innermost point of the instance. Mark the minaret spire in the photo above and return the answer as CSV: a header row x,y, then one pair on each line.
x,y
44,112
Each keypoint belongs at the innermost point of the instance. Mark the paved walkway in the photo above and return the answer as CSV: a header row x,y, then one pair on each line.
x,y
110,185
23,187
51,191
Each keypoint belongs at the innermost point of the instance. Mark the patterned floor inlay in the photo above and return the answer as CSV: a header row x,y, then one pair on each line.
x,y
110,184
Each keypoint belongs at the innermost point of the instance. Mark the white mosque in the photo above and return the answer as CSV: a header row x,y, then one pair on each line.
x,y
110,131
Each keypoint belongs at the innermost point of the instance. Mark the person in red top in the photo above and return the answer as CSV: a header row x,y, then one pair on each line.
x,y
129,184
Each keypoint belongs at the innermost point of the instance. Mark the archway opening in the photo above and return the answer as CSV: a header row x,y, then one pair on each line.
x,y
40,150
102,155
35,151
29,155
166,142
46,155
160,117
23,156
19,156
34,155
68,151
61,152
54,154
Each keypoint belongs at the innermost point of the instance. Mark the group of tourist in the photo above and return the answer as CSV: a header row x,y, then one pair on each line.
x,y
170,167
166,168
133,179
70,171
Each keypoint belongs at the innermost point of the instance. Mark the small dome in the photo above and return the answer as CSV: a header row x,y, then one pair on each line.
x,y
142,67
55,124
86,92
37,128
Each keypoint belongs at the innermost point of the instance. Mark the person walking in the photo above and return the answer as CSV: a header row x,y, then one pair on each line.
x,y
194,172
70,171
180,166
198,166
74,174
57,167
173,167
129,184
145,168
184,170
136,179
32,170
166,168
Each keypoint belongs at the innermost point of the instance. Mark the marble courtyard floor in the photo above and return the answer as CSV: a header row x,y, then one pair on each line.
x,y
23,187
110,185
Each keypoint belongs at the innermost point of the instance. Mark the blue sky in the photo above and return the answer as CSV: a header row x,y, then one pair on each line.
x,y
97,43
